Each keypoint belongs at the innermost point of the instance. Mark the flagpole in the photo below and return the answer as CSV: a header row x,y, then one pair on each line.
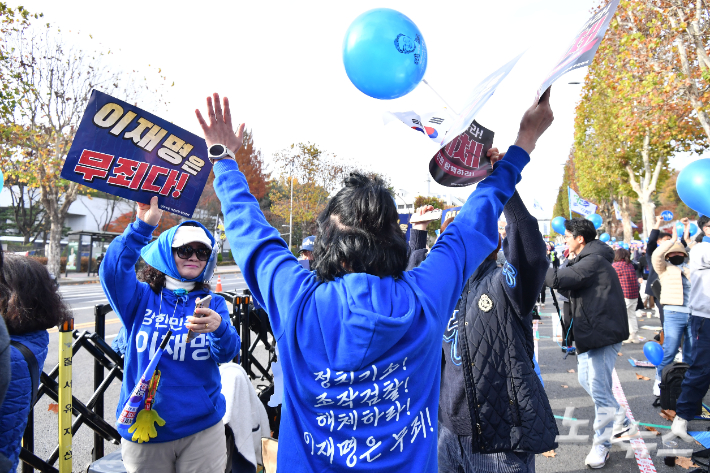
x,y
440,97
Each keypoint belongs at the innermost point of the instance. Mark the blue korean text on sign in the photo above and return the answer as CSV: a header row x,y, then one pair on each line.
x,y
124,151
667,215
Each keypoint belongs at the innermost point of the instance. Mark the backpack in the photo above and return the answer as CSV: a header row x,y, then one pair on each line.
x,y
671,381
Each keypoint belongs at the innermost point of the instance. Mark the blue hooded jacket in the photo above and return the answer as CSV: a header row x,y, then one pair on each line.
x,y
361,354
189,396
16,406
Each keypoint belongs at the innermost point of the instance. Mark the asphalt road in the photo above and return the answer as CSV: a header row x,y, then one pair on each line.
x,y
82,299
562,387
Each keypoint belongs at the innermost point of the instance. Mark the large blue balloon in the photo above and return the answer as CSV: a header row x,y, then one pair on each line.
x,y
384,53
693,186
596,220
653,352
604,237
558,225
693,229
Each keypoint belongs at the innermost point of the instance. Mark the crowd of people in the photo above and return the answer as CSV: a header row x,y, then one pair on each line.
x,y
396,356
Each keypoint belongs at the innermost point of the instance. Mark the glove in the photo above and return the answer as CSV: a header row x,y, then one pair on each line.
x,y
143,429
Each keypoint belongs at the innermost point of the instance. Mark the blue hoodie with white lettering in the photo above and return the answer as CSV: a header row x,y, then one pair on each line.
x,y
189,397
361,355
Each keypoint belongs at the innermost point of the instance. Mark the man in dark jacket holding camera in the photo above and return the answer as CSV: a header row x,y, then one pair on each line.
x,y
494,414
599,324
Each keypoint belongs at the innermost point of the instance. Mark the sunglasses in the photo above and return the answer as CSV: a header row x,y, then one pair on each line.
x,y
186,251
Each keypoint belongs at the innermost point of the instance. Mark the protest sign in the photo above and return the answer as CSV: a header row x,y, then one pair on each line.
x,y
404,224
582,50
452,212
463,161
125,151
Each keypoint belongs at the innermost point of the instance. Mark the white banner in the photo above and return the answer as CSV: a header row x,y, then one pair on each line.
x,y
579,205
617,211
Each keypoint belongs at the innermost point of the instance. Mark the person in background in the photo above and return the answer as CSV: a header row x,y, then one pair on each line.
x,y
697,378
674,274
30,305
500,259
185,432
599,325
641,266
360,336
306,252
654,239
630,286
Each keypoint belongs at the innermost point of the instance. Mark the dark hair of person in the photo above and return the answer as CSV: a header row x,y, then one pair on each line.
x,y
663,235
445,224
30,300
622,255
358,232
702,221
699,237
156,279
581,227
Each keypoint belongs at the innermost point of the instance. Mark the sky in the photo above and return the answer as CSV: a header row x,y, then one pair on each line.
x,y
280,63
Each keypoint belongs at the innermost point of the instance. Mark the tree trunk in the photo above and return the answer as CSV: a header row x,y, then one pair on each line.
x,y
646,185
626,220
56,212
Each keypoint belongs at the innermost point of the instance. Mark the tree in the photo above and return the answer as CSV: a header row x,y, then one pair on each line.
x,y
561,207
316,175
48,86
630,118
670,200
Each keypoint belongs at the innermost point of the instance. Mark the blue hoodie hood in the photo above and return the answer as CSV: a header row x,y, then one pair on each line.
x,y
159,254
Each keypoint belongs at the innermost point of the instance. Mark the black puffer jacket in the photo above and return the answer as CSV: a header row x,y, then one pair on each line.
x,y
597,302
490,391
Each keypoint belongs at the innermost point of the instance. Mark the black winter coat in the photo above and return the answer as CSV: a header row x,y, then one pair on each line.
x,y
499,401
596,299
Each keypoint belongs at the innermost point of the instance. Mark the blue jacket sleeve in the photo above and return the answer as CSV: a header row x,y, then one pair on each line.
x,y
273,274
118,270
469,239
526,256
225,341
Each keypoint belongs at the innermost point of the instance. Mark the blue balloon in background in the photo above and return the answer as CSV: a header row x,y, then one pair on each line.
x,y
604,237
384,54
667,215
680,228
2,180
596,220
693,229
693,186
558,225
613,238
653,352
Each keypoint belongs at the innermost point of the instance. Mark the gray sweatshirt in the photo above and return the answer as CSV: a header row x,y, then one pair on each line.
x,y
700,280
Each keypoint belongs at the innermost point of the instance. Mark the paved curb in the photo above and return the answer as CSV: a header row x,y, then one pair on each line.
x,y
95,279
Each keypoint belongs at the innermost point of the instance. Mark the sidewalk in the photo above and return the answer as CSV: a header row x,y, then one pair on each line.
x,y
82,278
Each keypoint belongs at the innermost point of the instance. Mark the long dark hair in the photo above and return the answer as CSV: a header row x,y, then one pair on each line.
x,y
358,232
156,279
622,255
29,300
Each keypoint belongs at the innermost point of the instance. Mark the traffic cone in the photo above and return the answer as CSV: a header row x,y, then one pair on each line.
x,y
219,283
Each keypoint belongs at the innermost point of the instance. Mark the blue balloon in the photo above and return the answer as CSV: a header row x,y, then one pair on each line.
x,y
693,229
2,180
680,228
604,237
558,225
653,352
693,186
596,220
384,54
613,238
667,215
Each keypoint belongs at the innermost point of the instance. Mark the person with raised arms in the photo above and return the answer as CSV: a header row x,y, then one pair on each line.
x,y
360,338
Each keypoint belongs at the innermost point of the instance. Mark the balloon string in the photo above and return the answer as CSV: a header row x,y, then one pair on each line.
x,y
440,97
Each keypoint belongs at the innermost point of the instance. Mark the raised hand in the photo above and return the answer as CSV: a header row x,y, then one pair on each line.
x,y
150,213
219,130
421,211
536,120
495,155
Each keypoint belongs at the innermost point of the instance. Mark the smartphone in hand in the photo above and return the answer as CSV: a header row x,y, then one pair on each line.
x,y
199,304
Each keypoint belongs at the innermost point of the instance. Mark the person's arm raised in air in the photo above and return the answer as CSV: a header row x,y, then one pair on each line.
x,y
118,268
418,234
269,268
525,255
473,235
